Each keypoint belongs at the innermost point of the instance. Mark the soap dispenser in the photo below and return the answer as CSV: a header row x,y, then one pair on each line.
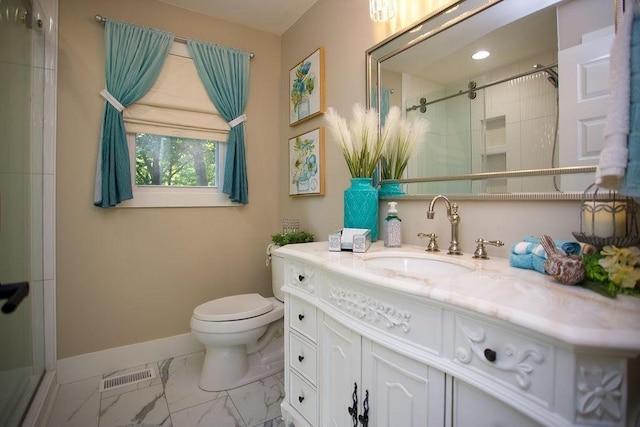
x,y
392,227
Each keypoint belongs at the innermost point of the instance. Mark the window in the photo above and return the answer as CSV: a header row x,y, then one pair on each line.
x,y
169,160
169,179
177,141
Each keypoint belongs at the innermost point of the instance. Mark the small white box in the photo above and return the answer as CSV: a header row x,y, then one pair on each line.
x,y
334,241
350,239
361,242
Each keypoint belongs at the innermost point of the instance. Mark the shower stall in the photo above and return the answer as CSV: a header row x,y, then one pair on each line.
x,y
500,121
27,81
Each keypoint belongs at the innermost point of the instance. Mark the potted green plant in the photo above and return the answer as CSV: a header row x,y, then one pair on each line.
x,y
281,239
286,238
362,145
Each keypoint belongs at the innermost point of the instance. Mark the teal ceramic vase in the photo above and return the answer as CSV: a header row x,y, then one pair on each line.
x,y
361,206
388,189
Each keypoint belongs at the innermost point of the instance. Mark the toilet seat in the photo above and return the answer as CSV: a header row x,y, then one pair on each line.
x,y
234,307
233,326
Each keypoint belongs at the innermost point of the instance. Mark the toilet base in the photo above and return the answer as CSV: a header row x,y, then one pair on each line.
x,y
232,368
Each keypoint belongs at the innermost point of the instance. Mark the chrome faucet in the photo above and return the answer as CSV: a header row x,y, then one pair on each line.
x,y
454,219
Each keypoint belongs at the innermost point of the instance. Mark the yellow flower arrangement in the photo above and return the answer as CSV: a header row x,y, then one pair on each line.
x,y
613,270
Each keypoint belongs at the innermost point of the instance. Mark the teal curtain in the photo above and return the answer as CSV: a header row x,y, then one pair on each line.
x,y
385,99
225,75
384,102
134,57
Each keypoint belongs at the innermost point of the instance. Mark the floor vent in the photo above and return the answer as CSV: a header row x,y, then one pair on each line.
x,y
127,379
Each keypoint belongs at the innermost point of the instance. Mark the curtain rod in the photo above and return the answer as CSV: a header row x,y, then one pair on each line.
x,y
101,19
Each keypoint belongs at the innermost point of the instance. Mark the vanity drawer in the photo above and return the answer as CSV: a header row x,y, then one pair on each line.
x,y
506,356
302,317
406,321
302,357
303,398
302,276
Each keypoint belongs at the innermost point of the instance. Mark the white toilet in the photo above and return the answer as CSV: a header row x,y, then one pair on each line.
x,y
243,336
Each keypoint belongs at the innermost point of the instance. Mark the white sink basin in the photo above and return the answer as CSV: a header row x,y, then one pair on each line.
x,y
423,266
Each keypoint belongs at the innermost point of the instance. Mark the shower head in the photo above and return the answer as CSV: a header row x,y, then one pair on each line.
x,y
552,75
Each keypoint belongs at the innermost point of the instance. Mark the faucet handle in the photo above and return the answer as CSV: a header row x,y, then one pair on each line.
x,y
432,246
481,250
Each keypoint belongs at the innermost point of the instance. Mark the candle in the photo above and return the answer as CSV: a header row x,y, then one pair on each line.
x,y
599,219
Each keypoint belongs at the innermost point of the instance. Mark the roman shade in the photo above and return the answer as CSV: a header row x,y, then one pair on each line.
x,y
177,104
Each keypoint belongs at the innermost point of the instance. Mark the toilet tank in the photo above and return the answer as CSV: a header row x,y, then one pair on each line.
x,y
277,275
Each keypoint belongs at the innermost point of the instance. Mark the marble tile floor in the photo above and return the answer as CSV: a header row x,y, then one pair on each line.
x,y
171,399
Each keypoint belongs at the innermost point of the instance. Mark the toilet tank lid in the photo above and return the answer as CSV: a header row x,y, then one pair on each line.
x,y
234,307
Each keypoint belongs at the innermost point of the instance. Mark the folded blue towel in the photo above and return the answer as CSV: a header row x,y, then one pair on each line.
x,y
528,262
569,247
631,182
538,264
630,185
521,261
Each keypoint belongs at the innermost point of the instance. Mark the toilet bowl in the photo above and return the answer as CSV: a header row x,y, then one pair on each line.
x,y
242,335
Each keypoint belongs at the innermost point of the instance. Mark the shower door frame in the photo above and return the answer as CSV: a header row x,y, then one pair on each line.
x,y
42,399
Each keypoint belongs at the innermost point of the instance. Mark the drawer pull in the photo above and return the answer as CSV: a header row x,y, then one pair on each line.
x,y
490,354
364,418
300,358
300,277
300,399
300,317
353,410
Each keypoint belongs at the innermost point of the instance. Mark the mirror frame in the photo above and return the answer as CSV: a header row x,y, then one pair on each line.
x,y
433,24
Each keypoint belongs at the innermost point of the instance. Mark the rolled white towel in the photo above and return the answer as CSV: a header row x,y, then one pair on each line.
x,y
613,156
522,248
539,251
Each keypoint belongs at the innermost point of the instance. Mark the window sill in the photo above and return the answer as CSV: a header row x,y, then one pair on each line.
x,y
179,199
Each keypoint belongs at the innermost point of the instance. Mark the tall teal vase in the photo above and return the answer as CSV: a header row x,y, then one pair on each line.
x,y
361,206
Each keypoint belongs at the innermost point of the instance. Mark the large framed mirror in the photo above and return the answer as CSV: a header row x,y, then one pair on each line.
x,y
525,122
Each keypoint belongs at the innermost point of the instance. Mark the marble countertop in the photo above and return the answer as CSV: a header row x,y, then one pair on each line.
x,y
526,298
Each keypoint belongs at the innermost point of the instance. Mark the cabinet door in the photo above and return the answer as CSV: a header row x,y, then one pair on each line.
x,y
473,408
339,355
402,392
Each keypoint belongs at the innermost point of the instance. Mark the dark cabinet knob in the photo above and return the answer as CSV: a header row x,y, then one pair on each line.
x,y
300,317
353,410
300,399
300,358
490,355
300,277
364,418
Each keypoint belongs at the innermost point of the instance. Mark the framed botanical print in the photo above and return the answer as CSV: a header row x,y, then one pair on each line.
x,y
306,88
306,164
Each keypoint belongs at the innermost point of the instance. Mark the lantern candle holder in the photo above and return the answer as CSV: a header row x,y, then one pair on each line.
x,y
607,219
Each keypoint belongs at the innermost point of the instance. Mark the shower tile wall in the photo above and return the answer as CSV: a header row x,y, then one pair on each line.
x,y
525,106
528,105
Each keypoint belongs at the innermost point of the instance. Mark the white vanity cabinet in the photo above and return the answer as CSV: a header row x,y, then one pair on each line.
x,y
472,407
407,351
384,387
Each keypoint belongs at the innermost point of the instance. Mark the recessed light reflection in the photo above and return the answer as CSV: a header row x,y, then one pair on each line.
x,y
481,54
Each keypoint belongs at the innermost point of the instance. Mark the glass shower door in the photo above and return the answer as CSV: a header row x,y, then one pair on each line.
x,y
21,206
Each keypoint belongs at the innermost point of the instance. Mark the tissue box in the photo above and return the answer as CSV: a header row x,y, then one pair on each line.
x,y
334,241
350,239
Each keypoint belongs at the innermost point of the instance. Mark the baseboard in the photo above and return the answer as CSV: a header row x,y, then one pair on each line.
x,y
42,403
114,359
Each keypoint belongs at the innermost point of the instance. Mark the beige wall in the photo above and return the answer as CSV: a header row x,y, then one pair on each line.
x,y
127,276
132,275
346,32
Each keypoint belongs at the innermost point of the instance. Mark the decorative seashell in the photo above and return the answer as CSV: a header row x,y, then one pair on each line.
x,y
566,269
